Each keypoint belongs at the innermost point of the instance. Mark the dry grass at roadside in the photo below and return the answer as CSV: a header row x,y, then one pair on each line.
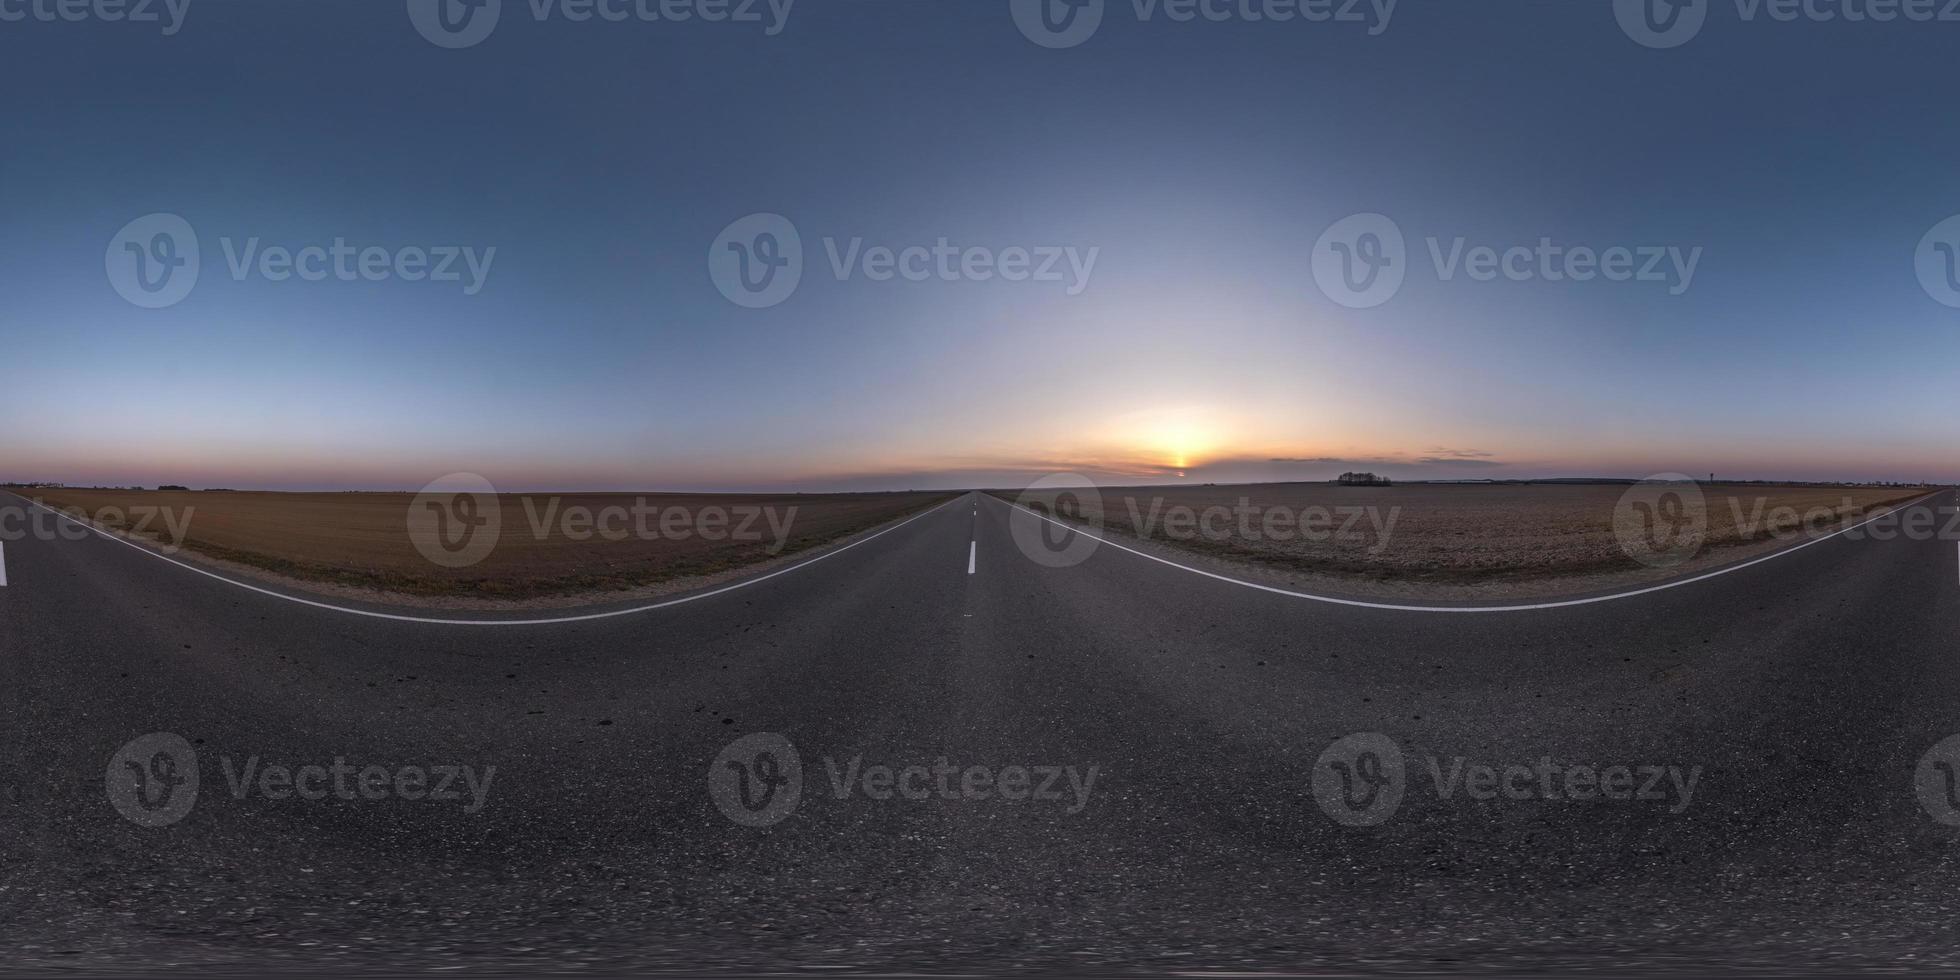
x,y
362,540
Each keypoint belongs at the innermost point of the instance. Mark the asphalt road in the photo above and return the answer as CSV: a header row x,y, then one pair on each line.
x,y
1800,694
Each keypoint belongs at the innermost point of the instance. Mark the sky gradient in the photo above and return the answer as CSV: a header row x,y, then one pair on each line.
x,y
1201,161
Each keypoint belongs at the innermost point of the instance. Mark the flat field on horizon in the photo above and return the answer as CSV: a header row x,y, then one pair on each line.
x,y
544,547
1460,541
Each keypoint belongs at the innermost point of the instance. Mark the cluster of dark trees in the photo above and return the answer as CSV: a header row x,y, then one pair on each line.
x,y
1363,480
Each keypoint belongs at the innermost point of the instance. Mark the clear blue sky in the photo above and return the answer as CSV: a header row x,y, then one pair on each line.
x,y
1201,160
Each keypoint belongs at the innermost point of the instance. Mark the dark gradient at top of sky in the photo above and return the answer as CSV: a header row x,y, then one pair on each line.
x,y
1201,161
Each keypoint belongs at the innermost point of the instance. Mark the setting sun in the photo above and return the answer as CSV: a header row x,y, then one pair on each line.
x,y
1177,439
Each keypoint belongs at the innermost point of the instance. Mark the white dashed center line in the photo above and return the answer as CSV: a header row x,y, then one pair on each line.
x,y
3,563
972,556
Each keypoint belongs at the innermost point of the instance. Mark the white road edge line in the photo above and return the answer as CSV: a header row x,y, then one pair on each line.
x,y
972,555
745,583
1476,609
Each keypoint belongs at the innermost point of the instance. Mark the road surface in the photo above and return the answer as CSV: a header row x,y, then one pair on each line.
x,y
1181,721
